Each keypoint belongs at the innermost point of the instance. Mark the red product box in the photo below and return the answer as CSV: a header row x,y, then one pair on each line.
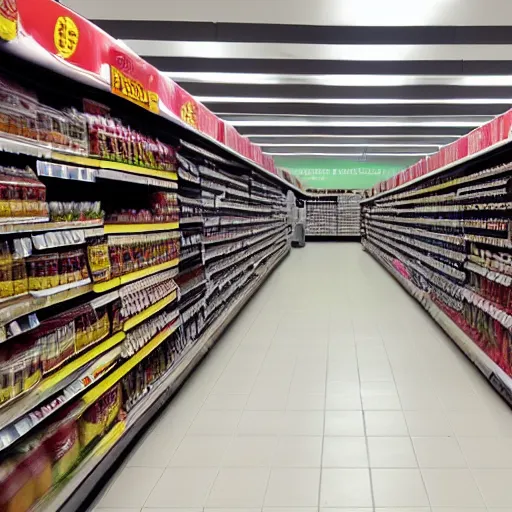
x,y
454,151
479,139
268,163
433,162
256,154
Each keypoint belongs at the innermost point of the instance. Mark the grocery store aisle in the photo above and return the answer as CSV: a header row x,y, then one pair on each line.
x,y
332,390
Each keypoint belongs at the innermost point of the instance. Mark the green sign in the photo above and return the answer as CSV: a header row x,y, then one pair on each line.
x,y
344,174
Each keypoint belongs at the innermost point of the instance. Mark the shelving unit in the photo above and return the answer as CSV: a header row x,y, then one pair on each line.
x,y
126,250
332,215
446,238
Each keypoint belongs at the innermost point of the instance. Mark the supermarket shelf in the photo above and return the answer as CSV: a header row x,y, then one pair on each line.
x,y
192,220
146,313
93,395
111,229
22,146
76,364
90,175
44,225
28,412
133,276
11,309
496,376
79,486
56,381
111,165
441,170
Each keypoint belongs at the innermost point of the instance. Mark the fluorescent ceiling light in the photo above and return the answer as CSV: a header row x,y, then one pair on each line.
x,y
357,101
351,124
397,155
316,51
363,136
302,145
341,80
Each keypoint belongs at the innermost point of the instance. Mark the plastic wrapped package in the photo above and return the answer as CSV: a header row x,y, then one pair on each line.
x,y
98,418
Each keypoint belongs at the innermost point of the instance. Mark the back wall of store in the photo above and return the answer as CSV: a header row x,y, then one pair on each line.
x,y
333,173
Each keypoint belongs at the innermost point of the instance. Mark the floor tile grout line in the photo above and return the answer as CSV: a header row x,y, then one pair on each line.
x,y
370,476
319,501
242,411
270,468
403,414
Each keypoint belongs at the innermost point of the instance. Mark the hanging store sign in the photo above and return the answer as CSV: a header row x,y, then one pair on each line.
x,y
132,90
333,173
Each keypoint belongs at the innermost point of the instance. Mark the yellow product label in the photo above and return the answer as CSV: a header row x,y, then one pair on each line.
x,y
16,208
5,207
31,381
8,20
133,90
20,286
6,289
188,113
5,394
66,36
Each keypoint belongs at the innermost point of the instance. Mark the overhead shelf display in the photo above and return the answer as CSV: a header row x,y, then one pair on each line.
x,y
128,242
446,237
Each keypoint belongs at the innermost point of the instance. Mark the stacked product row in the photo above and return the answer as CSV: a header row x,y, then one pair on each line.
x,y
333,215
235,227
448,240
103,300
89,313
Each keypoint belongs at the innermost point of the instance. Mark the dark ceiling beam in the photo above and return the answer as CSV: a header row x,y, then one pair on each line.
x,y
323,109
306,34
327,67
324,91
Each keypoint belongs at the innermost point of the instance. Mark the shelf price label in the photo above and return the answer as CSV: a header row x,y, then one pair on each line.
x,y
8,20
132,90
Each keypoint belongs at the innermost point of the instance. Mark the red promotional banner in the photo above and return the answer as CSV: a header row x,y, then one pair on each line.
x,y
195,114
81,46
63,33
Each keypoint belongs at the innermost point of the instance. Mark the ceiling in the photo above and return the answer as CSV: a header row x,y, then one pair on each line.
x,y
351,79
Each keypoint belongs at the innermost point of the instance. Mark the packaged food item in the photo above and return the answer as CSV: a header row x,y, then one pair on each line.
x,y
63,446
75,211
18,110
57,341
38,462
73,266
21,194
17,487
99,260
20,368
109,139
98,418
43,271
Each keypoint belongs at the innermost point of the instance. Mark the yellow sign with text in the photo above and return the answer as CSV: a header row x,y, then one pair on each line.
x,y
8,20
188,113
132,90
65,36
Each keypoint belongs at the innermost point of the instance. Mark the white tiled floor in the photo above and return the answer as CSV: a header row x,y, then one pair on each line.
x,y
332,391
